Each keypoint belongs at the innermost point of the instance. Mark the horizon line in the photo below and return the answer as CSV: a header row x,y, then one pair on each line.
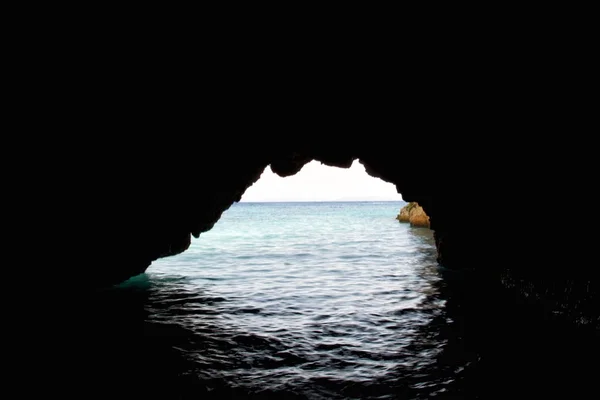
x,y
319,201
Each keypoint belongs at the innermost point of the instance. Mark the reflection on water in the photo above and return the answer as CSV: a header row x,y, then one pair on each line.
x,y
368,331
347,330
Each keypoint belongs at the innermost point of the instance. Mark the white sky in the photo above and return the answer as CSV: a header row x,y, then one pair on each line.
x,y
319,182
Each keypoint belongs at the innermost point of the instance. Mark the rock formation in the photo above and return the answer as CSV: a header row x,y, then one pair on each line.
x,y
414,214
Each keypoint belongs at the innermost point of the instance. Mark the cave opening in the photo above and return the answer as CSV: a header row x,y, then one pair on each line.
x,y
311,283
231,335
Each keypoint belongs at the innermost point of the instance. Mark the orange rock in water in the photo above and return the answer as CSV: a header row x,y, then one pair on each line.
x,y
414,214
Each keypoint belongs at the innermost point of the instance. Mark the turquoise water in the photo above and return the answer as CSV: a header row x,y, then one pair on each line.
x,y
313,301
318,300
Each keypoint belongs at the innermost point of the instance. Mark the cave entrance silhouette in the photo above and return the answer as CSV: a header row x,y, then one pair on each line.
x,y
262,307
296,290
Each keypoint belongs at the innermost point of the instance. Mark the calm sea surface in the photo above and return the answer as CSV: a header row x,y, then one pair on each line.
x,y
292,300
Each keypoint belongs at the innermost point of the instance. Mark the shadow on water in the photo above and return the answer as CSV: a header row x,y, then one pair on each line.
x,y
478,342
130,351
499,344
492,344
129,348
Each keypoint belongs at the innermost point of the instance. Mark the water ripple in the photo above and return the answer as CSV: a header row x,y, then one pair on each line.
x,y
299,312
